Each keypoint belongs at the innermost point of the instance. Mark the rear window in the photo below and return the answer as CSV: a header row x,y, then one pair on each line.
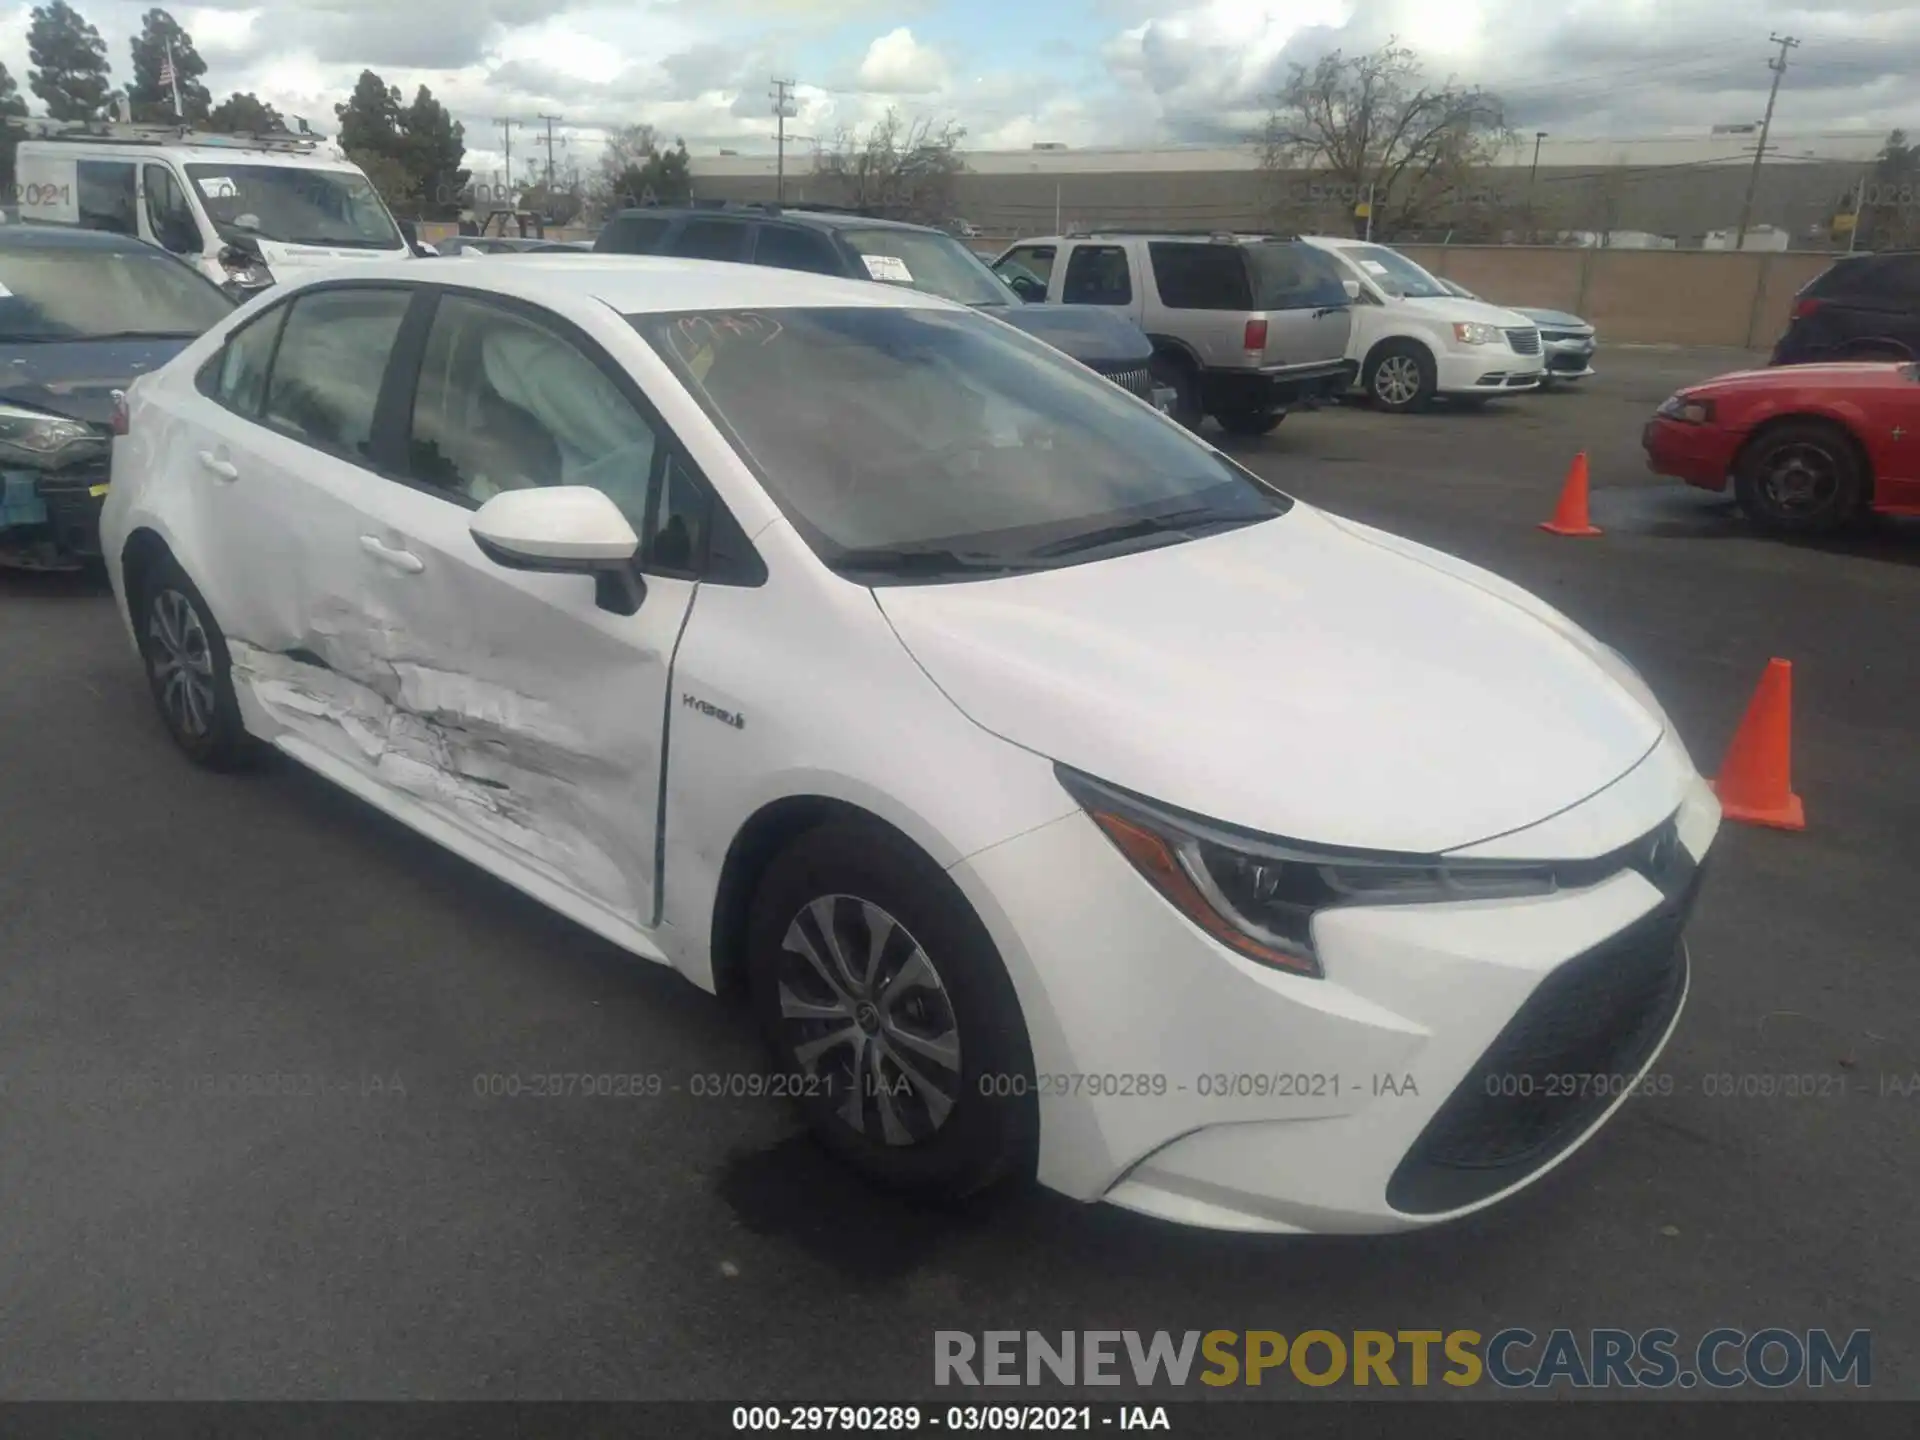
x,y
1294,277
86,294
1194,276
632,234
1871,277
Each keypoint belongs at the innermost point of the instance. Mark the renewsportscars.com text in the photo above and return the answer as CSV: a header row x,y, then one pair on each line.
x,y
1514,1358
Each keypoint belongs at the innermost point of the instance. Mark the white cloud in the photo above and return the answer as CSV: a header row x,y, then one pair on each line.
x,y
897,64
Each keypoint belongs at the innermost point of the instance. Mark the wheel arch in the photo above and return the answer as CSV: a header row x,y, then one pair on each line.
x,y
1173,345
1398,337
144,549
758,842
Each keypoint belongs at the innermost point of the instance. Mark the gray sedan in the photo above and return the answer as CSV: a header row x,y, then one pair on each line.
x,y
1568,341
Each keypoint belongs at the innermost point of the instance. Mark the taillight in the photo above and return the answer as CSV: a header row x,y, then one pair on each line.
x,y
119,412
1803,308
1256,336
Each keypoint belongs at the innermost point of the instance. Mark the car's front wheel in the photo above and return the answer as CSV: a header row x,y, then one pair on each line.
x,y
188,668
890,1013
1802,478
1401,376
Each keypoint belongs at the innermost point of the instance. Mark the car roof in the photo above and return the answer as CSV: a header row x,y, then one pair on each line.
x,y
828,219
648,284
30,236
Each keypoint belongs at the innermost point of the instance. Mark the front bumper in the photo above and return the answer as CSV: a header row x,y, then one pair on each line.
x,y
1182,1081
52,518
1486,370
1569,357
1701,455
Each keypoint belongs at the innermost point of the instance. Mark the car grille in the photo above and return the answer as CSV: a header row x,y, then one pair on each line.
x,y
1561,336
1576,364
1568,1054
1524,342
1139,381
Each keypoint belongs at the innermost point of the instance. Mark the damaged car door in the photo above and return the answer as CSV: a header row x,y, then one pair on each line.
x,y
517,710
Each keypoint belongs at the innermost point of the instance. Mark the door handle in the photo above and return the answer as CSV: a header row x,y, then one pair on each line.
x,y
225,469
405,560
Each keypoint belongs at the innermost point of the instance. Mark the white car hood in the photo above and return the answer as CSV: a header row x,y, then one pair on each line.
x,y
1305,677
1454,310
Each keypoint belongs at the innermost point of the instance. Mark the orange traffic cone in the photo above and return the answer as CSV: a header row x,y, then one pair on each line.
x,y
1571,517
1756,782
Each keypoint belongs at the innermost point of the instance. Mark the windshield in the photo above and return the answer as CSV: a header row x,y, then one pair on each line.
x,y
915,444
296,206
91,294
1393,272
923,260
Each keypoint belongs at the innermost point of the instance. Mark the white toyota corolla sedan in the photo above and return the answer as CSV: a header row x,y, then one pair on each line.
x,y
1068,800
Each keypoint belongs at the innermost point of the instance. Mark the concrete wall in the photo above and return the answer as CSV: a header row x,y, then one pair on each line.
x,y
1650,297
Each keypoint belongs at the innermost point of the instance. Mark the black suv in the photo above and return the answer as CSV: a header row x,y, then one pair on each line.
x,y
860,246
1865,307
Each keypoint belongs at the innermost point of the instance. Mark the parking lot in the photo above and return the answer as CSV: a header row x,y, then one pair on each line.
x,y
388,1230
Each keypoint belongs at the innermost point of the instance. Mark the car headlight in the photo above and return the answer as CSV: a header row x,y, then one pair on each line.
x,y
1474,334
1686,409
41,441
1258,895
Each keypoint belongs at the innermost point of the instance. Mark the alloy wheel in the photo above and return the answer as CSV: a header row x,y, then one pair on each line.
x,y
181,659
1801,478
868,1019
1396,379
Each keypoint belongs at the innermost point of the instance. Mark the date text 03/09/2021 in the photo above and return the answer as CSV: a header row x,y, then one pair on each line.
x,y
958,1419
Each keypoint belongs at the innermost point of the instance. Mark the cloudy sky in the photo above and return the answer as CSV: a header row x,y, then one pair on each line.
x,y
1077,72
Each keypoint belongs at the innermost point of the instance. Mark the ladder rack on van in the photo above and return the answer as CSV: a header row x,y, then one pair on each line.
x,y
113,133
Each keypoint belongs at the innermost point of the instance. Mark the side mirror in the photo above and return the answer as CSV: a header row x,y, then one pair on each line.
x,y
564,530
1352,287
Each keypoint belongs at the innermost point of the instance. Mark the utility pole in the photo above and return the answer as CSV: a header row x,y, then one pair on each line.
x,y
1533,174
782,109
550,119
1779,67
506,138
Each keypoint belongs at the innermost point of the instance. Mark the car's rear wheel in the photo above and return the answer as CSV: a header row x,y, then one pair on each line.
x,y
1176,372
1802,478
1401,376
890,1014
188,668
1249,421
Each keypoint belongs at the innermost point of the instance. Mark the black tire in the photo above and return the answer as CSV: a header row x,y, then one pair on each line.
x,y
1802,478
179,639
1175,370
1250,422
983,1135
1390,366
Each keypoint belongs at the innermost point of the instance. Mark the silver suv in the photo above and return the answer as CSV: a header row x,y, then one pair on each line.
x,y
1243,326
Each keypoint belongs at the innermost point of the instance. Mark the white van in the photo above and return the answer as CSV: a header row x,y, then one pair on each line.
x,y
243,209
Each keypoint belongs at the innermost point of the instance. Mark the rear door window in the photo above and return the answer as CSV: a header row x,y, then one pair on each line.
x,y
788,247
329,367
1194,276
633,234
709,240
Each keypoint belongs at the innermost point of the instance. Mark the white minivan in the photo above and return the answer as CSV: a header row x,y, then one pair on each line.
x,y
244,210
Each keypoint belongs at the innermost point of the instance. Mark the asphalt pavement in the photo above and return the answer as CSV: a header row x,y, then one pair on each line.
x,y
384,1229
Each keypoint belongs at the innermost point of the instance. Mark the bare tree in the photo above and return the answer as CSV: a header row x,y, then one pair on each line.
x,y
903,170
1370,126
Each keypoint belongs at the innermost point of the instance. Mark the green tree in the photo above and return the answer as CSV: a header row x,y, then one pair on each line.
x,y
245,114
69,63
370,119
153,100
13,106
396,184
1890,217
431,145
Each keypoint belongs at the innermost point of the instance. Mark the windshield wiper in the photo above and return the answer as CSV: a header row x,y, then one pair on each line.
x,y
930,561
1184,522
141,335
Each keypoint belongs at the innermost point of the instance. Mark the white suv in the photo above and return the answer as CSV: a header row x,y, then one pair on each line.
x,y
1068,800
1413,338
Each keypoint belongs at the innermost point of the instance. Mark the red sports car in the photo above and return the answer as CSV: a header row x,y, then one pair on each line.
x,y
1809,448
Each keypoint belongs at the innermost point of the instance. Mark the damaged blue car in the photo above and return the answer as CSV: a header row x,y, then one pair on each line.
x,y
83,313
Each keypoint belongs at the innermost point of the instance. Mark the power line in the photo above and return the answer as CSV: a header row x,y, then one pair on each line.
x,y
1779,68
